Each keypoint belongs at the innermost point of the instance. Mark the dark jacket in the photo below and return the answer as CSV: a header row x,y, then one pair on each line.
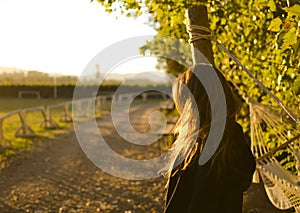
x,y
210,190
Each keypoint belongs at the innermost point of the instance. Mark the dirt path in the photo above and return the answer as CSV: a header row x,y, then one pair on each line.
x,y
57,177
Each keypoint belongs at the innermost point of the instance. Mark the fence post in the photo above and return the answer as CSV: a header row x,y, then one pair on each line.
x,y
49,122
198,16
91,108
2,137
1,131
104,103
88,108
98,106
66,117
24,130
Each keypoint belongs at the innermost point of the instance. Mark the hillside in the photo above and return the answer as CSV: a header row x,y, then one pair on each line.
x,y
15,76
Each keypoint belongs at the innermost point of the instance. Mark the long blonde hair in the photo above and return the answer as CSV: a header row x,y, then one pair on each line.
x,y
192,102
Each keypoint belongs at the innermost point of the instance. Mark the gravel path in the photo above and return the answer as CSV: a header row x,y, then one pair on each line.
x,y
56,176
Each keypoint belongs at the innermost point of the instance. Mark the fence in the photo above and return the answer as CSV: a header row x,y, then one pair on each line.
x,y
82,109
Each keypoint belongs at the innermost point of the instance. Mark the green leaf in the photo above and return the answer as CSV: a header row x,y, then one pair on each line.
x,y
289,38
290,72
293,11
272,5
275,25
223,21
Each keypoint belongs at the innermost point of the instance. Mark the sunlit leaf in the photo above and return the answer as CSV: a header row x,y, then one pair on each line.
x,y
275,25
289,38
293,11
244,28
272,5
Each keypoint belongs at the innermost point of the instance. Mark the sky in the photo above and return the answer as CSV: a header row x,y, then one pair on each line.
x,y
63,36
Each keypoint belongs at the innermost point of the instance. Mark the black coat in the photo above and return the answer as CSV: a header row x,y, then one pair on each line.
x,y
203,189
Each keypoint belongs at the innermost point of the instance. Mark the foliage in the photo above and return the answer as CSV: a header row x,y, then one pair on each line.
x,y
262,34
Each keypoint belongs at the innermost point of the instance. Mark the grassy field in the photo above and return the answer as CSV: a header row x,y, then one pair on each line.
x,y
11,144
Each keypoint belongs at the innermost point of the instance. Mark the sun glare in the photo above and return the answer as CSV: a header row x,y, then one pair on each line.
x,y
59,36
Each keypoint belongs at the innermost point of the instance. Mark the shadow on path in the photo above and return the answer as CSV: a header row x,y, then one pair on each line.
x,y
57,177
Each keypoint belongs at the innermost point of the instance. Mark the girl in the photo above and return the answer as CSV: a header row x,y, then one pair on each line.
x,y
218,185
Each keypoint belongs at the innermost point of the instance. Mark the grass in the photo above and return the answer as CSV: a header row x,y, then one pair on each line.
x,y
35,120
11,144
